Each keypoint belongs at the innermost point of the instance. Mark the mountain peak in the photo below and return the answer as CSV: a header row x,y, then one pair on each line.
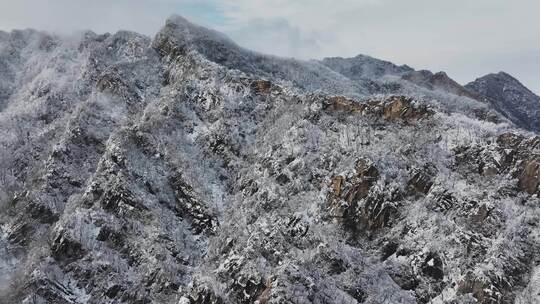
x,y
510,97
180,34
192,31
500,77
505,75
177,20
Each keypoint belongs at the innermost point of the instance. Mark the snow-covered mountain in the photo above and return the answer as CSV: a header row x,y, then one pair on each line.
x,y
186,169
511,98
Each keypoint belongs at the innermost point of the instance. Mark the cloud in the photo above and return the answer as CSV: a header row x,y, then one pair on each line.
x,y
301,28
65,16
309,14
277,36
455,36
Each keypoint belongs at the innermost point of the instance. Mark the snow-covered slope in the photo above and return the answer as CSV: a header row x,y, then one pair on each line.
x,y
185,169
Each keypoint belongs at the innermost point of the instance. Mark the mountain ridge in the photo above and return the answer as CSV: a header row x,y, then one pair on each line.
x,y
140,170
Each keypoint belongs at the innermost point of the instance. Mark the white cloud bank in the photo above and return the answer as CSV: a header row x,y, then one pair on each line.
x,y
463,37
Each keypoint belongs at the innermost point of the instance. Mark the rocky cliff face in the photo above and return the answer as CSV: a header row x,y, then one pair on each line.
x,y
509,97
185,169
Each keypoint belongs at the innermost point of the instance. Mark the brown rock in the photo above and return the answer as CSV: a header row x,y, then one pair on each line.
x,y
352,200
365,169
367,174
396,109
358,191
342,104
401,107
509,140
336,183
261,86
529,180
392,108
265,295
377,213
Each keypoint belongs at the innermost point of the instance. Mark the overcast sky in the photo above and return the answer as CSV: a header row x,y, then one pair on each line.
x,y
465,38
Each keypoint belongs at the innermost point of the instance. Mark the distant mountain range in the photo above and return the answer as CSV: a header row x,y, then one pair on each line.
x,y
500,91
509,97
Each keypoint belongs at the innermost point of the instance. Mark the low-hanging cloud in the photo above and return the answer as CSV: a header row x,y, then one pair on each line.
x,y
465,38
279,37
